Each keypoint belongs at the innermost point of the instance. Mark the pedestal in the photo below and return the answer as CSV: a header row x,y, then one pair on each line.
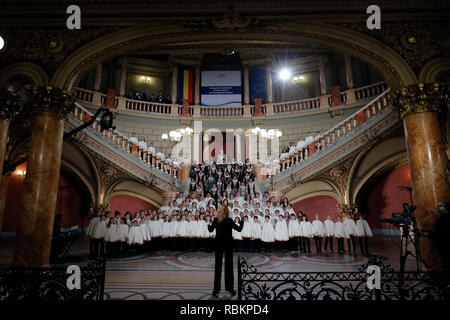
x,y
324,101
34,237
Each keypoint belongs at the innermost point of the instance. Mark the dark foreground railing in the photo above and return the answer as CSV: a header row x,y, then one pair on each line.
x,y
254,285
50,284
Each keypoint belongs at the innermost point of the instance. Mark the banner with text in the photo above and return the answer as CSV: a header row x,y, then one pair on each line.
x,y
221,88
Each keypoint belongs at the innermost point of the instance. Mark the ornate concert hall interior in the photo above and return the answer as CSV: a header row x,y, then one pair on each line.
x,y
285,109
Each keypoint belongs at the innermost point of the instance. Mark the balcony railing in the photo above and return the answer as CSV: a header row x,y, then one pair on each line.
x,y
296,106
288,107
120,140
85,95
220,112
146,106
337,132
370,90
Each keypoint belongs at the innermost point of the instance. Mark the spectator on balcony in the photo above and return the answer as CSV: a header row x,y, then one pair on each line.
x,y
317,138
137,96
160,154
160,97
309,138
168,99
130,95
133,139
301,144
143,144
153,98
151,148
144,96
284,153
292,147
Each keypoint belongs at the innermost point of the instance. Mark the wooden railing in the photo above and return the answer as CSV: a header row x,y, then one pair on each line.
x,y
370,90
121,141
295,106
337,132
220,112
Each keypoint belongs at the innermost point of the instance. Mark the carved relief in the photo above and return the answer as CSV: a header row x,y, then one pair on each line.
x,y
420,97
417,42
338,174
48,47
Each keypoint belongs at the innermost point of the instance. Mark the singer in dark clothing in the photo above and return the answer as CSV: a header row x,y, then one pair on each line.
x,y
224,244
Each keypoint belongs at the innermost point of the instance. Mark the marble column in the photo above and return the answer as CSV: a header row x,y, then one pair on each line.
x,y
34,237
4,180
419,106
123,76
197,85
174,84
269,85
11,107
98,77
4,129
348,71
322,78
246,86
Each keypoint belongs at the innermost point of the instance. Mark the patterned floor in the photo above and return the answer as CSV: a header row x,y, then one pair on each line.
x,y
189,275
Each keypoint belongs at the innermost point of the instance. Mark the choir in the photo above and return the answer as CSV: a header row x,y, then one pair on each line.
x,y
269,224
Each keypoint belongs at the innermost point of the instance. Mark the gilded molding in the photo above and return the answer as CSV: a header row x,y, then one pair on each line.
x,y
54,101
431,97
11,105
347,210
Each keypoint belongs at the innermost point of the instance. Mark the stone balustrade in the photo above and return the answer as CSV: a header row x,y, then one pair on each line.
x,y
370,90
296,106
337,132
222,112
268,110
120,140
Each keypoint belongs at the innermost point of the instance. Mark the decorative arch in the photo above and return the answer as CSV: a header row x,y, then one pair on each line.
x,y
134,189
27,69
432,70
381,168
312,189
395,70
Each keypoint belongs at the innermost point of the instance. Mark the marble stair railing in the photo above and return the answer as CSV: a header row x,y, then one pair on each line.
x,y
134,153
347,135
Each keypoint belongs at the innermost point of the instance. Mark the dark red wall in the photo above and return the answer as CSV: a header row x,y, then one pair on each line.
x,y
322,205
68,202
384,197
128,203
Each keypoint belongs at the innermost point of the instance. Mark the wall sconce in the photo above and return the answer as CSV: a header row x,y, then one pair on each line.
x,y
145,79
299,78
21,173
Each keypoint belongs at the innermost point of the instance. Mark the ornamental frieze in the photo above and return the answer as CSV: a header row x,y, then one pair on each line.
x,y
415,41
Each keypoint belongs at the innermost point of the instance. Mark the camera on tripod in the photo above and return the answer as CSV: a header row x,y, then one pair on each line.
x,y
402,219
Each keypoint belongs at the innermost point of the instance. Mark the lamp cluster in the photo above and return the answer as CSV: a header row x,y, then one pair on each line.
x,y
175,135
270,134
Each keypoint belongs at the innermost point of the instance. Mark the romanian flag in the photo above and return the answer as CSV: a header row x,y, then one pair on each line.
x,y
186,86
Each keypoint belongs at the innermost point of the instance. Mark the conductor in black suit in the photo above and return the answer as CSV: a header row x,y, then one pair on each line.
x,y
224,243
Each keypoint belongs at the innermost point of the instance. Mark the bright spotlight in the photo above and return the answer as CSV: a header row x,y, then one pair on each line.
x,y
285,74
2,43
